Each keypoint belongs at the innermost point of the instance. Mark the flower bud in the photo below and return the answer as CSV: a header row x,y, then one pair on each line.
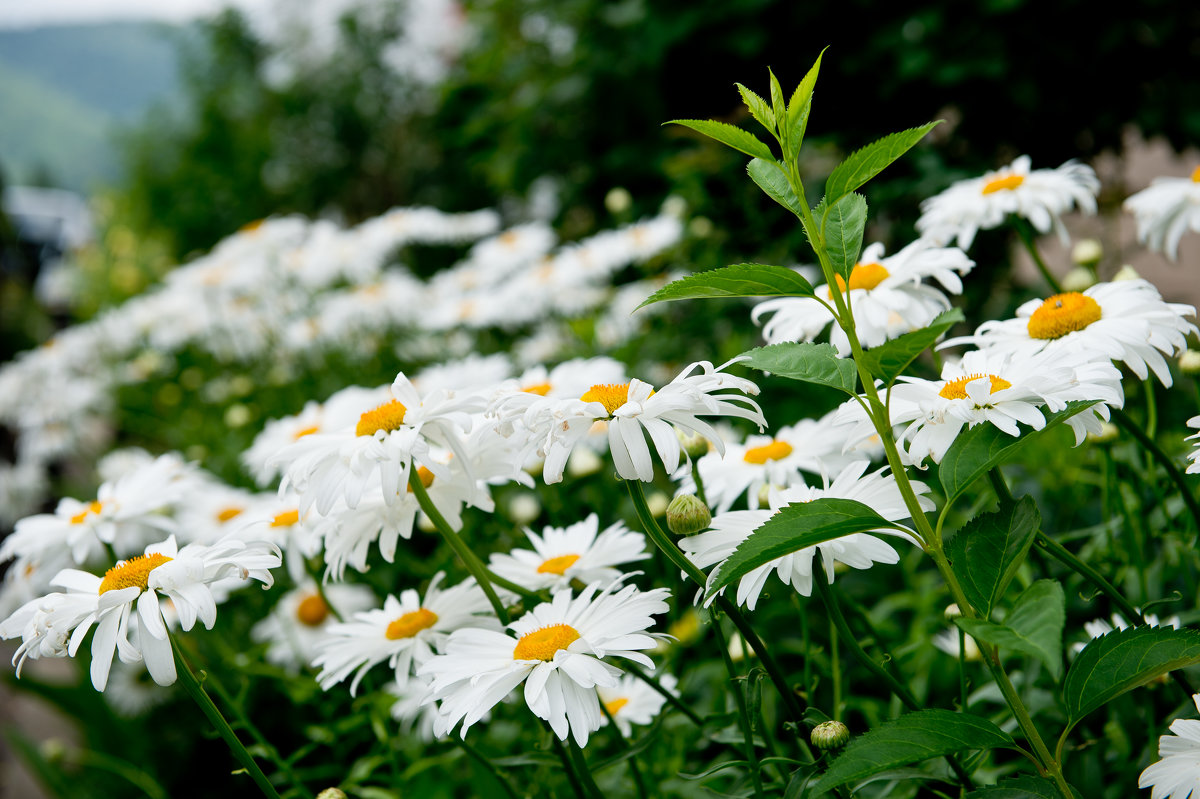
x,y
1087,252
332,793
829,735
657,503
694,444
618,200
1078,279
524,508
1189,362
1126,272
1108,432
953,611
687,515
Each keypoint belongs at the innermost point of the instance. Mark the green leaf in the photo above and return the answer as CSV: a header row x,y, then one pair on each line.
x,y
1121,661
985,445
842,229
868,162
770,178
798,109
792,528
777,104
739,280
909,739
890,359
1025,786
730,136
758,107
987,551
1033,627
807,362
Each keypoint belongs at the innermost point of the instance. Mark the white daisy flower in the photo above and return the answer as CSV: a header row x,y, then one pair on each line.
x,y
632,701
749,468
947,641
561,555
182,576
387,440
1176,775
558,650
886,296
996,388
416,716
632,411
1125,321
405,632
1194,455
1165,210
1041,196
301,617
877,490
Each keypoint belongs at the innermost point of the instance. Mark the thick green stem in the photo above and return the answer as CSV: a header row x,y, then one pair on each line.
x,y
1025,231
1123,421
193,688
568,766
581,769
743,715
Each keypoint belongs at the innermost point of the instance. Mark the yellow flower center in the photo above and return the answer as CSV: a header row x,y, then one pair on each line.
x,y
312,611
251,227
286,519
1063,314
863,276
228,513
133,572
558,565
611,395
542,644
1008,182
615,706
541,389
93,507
307,431
957,389
776,450
410,624
388,416
1196,175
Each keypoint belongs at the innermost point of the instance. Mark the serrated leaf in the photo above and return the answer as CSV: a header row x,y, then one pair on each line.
x,y
1121,661
770,178
911,738
807,362
842,228
777,104
1033,627
729,135
889,360
987,551
739,280
864,164
758,107
798,110
792,528
985,445
1025,786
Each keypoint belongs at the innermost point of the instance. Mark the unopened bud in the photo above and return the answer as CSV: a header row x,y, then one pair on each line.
x,y
583,462
1087,252
1108,432
53,750
332,793
687,515
618,200
657,503
1126,272
1078,279
829,735
694,444
1189,362
524,508
953,611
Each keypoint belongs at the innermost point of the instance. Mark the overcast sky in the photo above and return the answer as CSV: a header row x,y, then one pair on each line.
x,y
29,13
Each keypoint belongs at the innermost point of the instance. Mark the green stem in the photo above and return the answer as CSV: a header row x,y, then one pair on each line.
x,y
126,771
1123,421
634,770
1025,231
664,543
193,688
743,715
672,700
581,768
1151,408
478,757
568,766
835,669
699,482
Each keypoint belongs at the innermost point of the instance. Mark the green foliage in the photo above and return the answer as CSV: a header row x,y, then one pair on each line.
x,y
728,135
889,360
798,110
1023,787
793,528
1034,625
864,164
1123,660
842,228
806,362
988,550
739,280
911,738
769,177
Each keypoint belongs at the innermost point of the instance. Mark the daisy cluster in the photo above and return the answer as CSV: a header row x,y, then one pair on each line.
x,y
287,287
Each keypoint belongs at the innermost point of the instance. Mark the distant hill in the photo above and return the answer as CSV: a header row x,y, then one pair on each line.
x,y
64,90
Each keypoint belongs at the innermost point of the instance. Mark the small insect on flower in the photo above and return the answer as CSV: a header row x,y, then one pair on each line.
x,y
560,650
